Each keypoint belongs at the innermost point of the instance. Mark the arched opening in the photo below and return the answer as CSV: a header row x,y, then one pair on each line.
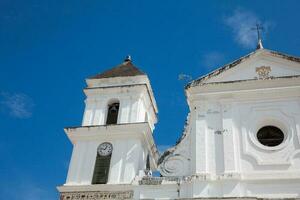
x,y
102,164
270,136
112,113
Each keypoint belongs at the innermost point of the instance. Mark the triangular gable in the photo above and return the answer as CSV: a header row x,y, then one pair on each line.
x,y
261,63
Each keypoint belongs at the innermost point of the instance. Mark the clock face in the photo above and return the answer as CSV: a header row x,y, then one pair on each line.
x,y
105,149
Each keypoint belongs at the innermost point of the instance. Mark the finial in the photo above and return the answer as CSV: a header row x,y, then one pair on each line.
x,y
128,58
259,28
259,45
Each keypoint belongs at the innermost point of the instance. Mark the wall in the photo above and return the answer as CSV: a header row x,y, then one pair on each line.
x,y
134,102
225,131
129,154
124,166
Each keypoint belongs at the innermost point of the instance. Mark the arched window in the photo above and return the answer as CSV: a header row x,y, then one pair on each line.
x,y
102,163
112,113
270,136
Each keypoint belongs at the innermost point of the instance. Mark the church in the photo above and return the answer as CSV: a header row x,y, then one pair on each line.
x,y
241,139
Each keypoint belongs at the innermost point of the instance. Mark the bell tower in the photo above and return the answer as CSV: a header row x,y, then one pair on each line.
x,y
114,143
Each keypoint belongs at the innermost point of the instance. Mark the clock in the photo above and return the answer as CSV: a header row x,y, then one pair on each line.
x,y
105,149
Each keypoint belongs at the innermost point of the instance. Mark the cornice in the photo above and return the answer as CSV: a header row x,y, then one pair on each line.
x,y
107,131
124,131
252,85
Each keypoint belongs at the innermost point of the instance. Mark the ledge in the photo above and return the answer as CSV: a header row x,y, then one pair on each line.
x,y
98,131
115,131
72,128
139,130
97,187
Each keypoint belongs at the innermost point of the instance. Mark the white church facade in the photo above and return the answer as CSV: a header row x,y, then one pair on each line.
x,y
241,138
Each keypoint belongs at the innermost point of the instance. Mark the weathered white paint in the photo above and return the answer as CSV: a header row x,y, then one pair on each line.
x,y
219,155
131,142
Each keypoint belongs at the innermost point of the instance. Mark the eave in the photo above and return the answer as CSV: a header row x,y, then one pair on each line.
x,y
274,85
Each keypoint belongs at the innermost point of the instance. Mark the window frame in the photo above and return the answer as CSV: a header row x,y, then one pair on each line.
x,y
98,157
108,105
270,121
266,130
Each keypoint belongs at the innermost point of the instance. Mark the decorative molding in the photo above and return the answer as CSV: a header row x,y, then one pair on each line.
x,y
259,116
174,165
263,72
176,160
95,195
161,180
150,181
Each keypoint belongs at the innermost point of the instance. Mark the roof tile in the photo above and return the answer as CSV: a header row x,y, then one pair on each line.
x,y
122,70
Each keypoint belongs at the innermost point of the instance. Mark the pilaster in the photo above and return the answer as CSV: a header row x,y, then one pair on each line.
x,y
229,139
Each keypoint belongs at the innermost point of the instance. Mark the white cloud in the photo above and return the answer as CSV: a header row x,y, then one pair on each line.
x,y
18,105
212,60
241,22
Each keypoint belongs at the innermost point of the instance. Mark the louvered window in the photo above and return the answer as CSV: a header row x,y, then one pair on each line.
x,y
101,169
112,113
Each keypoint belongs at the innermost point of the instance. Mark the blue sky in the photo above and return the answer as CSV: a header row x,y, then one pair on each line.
x,y
48,48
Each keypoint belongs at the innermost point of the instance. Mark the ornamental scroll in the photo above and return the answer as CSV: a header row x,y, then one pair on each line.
x,y
93,195
174,165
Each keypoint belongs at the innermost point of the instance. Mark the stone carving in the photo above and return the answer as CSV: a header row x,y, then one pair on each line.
x,y
174,165
158,180
96,195
263,72
150,181
175,161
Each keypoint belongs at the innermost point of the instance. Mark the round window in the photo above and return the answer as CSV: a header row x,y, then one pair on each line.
x,y
270,136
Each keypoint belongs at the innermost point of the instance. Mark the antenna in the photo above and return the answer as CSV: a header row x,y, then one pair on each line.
x,y
184,77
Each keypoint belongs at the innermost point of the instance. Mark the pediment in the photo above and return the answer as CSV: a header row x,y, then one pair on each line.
x,y
260,64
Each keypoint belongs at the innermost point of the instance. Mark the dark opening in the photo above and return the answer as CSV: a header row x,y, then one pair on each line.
x,y
112,113
148,162
101,169
270,136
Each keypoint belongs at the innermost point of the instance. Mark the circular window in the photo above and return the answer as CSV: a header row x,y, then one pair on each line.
x,y
270,136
